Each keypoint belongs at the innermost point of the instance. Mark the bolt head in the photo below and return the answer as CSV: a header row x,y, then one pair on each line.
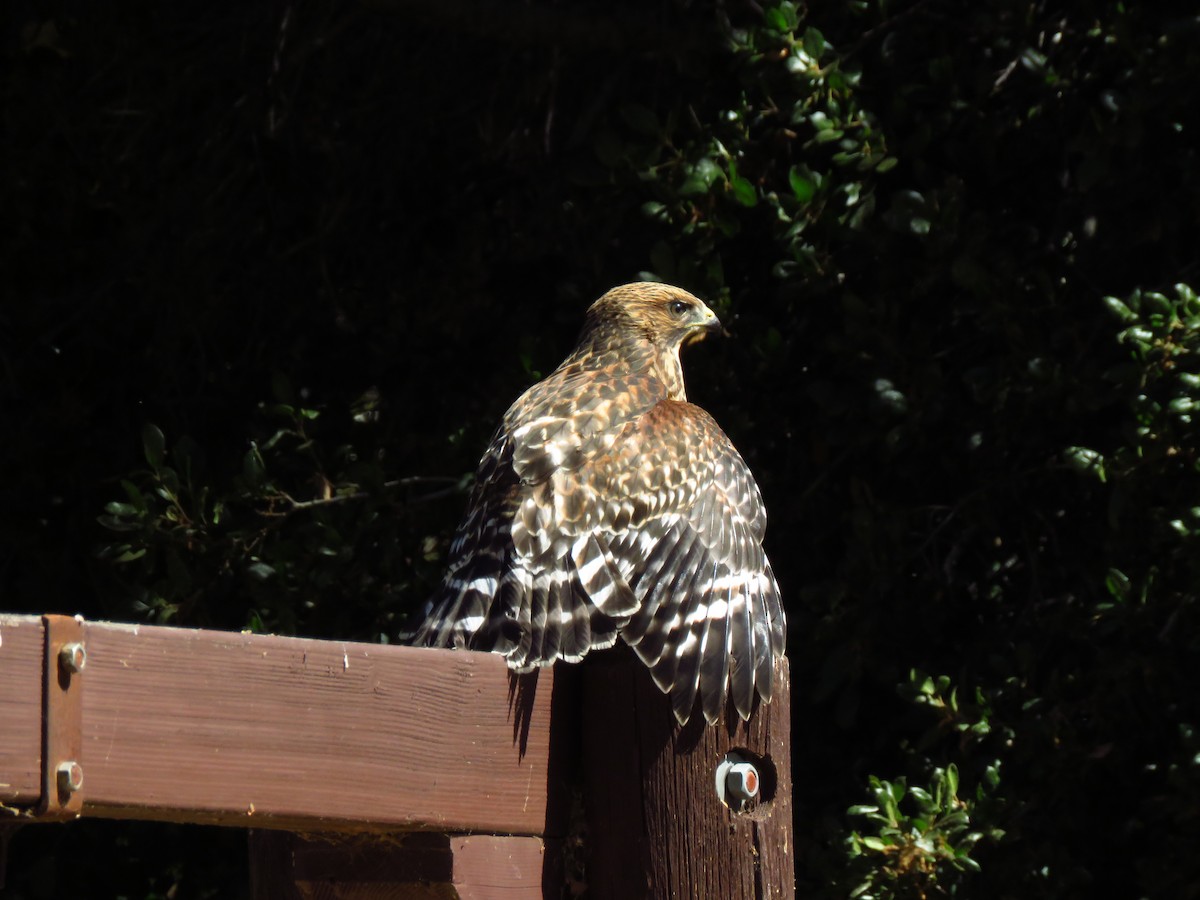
x,y
70,776
742,781
73,656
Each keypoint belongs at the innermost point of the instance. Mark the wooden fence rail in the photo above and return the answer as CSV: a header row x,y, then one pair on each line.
x,y
381,771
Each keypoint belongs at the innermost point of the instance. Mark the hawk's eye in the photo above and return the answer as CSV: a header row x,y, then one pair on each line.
x,y
678,308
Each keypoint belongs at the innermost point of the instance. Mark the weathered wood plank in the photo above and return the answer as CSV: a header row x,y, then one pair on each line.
x,y
656,827
413,866
240,729
21,651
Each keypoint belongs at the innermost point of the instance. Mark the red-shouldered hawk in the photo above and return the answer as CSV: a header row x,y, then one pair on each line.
x,y
608,506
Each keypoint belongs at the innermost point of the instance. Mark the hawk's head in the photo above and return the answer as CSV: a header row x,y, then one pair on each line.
x,y
666,316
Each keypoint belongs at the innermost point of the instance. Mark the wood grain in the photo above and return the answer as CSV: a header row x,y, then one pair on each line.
x,y
256,730
417,865
656,827
21,652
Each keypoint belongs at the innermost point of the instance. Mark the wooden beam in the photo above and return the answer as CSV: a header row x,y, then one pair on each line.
x,y
414,866
656,826
22,651
272,732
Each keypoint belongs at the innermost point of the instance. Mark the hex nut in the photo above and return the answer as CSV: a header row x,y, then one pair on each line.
x,y
73,656
70,776
737,781
742,781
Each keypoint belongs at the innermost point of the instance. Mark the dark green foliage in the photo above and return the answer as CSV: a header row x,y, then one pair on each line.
x,y
306,258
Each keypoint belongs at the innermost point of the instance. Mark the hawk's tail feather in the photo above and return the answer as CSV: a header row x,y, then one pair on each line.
x,y
714,652
741,634
532,617
456,613
557,585
530,602
765,598
584,627
774,608
575,624
689,640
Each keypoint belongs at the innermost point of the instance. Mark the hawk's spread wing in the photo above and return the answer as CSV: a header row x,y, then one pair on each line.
x,y
603,508
681,520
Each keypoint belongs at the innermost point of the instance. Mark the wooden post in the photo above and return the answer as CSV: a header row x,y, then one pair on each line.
x,y
656,827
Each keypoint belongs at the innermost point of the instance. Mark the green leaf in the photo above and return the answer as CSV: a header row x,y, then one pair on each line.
x,y
113,523
169,479
153,445
783,17
652,209
1117,583
1122,312
1081,459
814,43
253,467
743,191
701,176
804,188
952,779
134,493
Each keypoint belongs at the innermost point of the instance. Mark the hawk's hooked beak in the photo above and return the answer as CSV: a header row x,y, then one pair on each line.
x,y
708,324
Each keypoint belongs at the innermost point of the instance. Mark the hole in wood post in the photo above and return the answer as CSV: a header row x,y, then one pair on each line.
x,y
745,781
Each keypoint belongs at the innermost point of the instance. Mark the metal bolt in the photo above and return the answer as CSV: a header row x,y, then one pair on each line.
x,y
73,656
737,782
70,776
741,782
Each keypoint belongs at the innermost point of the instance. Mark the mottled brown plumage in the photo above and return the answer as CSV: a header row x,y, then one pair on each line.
x,y
608,506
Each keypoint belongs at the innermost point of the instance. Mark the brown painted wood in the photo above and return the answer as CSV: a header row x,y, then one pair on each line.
x,y
655,826
402,867
22,647
280,732
264,731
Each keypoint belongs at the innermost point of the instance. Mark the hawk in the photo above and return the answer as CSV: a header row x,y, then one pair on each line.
x,y
606,507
